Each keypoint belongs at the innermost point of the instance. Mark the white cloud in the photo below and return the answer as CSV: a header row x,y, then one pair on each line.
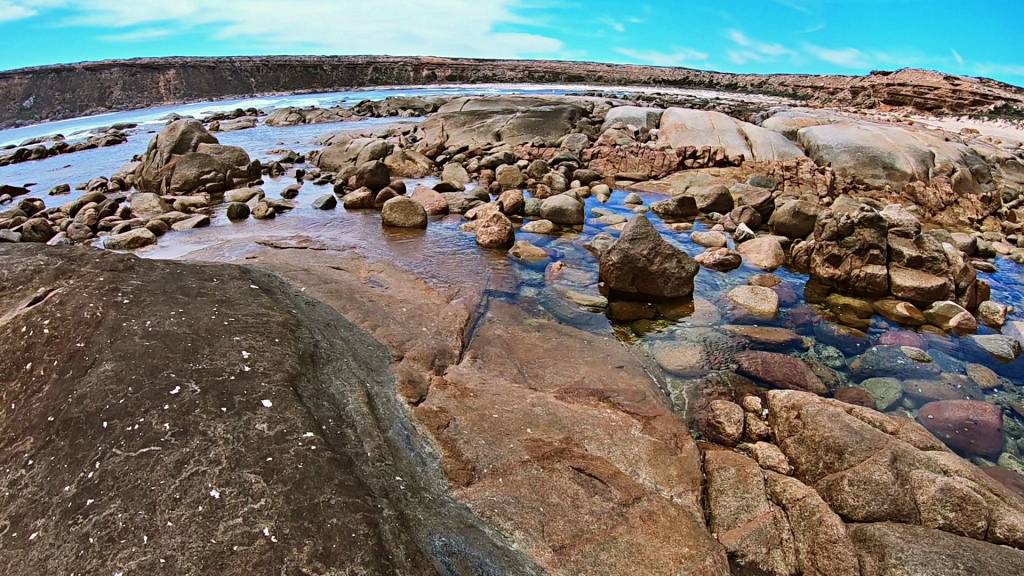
x,y
957,57
995,69
751,50
140,35
675,57
794,5
437,27
844,57
615,25
11,10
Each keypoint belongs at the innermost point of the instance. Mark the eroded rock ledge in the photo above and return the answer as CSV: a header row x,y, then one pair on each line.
x,y
161,407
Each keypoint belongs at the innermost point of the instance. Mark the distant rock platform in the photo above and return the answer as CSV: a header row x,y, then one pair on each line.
x,y
31,95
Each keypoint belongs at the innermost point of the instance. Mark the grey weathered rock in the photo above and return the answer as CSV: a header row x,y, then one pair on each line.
x,y
794,219
360,199
756,300
148,205
850,252
501,119
1002,347
681,127
408,164
237,211
242,194
131,240
709,239
871,467
724,422
179,138
753,530
562,209
509,177
325,202
374,175
197,221
403,212
345,152
715,198
720,259
765,252
676,208
539,227
636,116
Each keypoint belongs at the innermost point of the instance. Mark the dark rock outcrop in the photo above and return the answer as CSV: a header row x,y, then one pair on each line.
x,y
185,158
642,265
260,436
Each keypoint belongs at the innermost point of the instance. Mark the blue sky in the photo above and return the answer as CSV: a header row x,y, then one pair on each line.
x,y
978,38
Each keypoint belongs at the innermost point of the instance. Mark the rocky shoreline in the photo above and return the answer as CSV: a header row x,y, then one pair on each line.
x,y
814,372
39,94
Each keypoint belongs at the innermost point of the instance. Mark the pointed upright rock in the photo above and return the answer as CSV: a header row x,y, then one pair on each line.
x,y
642,265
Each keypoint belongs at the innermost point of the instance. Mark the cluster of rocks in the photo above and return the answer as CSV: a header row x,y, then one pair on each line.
x,y
759,179
798,484
743,178
183,174
886,255
391,107
234,120
38,150
400,106
291,116
481,178
787,481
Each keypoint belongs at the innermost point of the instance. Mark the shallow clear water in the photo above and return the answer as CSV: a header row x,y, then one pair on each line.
x,y
261,142
445,255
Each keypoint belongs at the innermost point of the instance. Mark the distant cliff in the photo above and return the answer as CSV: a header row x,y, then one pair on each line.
x,y
32,95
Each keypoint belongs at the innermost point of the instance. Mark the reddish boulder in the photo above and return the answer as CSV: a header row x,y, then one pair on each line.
x,y
495,231
856,396
902,338
431,200
779,371
972,427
